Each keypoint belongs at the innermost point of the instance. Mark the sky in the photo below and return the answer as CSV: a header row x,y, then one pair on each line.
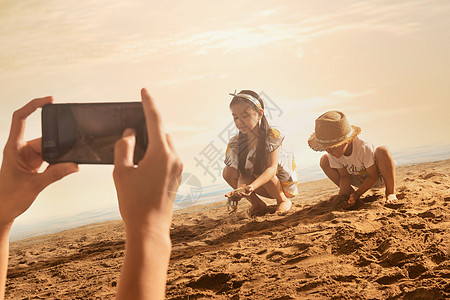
x,y
385,64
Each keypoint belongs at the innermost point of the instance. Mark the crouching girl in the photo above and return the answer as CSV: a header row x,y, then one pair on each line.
x,y
255,158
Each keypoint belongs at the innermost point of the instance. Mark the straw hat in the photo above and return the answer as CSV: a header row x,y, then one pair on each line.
x,y
332,129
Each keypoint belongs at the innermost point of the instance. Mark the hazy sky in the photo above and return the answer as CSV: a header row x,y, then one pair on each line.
x,y
385,64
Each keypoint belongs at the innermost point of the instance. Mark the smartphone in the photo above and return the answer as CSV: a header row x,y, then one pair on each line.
x,y
85,133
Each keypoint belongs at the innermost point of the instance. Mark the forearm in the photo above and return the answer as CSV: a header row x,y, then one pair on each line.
x,y
264,178
144,271
4,254
345,185
366,185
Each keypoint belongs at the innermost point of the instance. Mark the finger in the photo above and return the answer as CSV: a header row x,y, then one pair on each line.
x,y
20,115
178,165
242,194
174,184
124,149
245,196
170,143
155,132
177,170
56,172
36,145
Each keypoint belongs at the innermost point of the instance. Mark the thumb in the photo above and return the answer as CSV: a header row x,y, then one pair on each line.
x,y
124,149
56,172
175,182
173,187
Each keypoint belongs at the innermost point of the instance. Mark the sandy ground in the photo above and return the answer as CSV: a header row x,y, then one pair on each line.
x,y
317,251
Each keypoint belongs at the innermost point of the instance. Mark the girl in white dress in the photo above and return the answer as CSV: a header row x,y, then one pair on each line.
x,y
255,158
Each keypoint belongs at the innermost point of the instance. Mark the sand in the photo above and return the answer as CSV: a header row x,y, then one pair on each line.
x,y
317,251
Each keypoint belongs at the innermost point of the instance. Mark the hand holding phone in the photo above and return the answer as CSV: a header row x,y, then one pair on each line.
x,y
20,180
146,195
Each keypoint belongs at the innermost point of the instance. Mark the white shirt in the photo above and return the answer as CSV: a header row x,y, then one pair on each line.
x,y
362,157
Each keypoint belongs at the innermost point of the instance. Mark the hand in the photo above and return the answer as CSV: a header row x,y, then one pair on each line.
x,y
248,190
239,192
353,198
146,193
20,182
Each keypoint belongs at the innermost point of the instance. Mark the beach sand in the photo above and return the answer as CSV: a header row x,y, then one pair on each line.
x,y
317,251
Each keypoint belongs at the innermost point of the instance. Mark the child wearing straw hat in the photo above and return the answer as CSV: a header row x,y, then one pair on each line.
x,y
350,161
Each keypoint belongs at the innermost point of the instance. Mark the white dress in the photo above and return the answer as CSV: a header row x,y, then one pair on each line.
x,y
286,172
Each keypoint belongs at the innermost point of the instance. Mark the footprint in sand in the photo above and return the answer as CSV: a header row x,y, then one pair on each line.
x,y
424,293
217,282
415,270
390,279
344,241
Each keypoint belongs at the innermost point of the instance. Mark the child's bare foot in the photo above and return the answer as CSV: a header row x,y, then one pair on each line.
x,y
284,207
391,198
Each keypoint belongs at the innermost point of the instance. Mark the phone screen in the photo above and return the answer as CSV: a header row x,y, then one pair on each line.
x,y
85,133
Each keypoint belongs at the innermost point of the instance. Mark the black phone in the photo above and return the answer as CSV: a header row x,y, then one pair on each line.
x,y
85,133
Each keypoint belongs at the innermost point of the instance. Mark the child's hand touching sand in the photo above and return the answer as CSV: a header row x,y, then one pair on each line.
x,y
243,191
352,199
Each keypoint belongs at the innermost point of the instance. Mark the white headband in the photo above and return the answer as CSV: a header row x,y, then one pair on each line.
x,y
249,98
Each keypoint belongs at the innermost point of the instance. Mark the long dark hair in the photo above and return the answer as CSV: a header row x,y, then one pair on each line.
x,y
263,133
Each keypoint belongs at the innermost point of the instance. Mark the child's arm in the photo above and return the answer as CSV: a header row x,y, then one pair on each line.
x,y
372,176
345,183
269,172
